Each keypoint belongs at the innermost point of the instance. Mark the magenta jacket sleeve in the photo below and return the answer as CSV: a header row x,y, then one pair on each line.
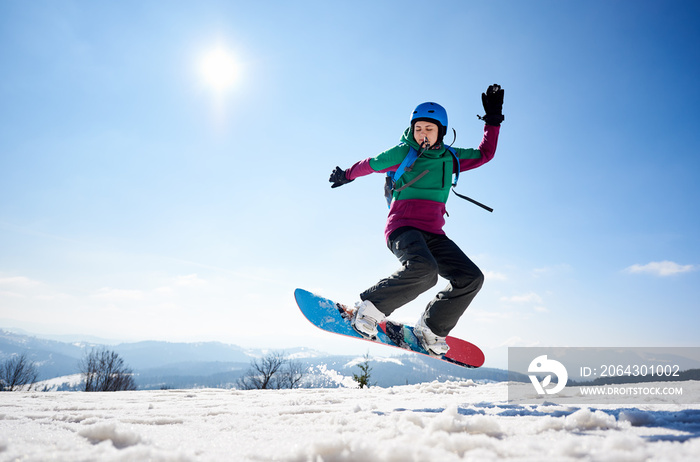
x,y
469,158
487,148
361,168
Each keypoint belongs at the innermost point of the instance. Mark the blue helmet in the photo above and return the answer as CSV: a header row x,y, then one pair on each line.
x,y
431,112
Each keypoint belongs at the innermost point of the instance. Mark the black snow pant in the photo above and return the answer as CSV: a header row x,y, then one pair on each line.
x,y
423,257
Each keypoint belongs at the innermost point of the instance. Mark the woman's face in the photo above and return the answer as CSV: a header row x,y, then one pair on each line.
x,y
423,130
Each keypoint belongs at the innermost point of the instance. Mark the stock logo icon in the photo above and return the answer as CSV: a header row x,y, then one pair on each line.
x,y
548,367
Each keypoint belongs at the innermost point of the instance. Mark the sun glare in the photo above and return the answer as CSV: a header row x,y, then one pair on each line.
x,y
219,69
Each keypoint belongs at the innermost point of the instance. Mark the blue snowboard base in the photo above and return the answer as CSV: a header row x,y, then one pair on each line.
x,y
334,317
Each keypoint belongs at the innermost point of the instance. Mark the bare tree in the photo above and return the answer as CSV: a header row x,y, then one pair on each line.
x,y
262,372
291,375
273,371
105,370
17,372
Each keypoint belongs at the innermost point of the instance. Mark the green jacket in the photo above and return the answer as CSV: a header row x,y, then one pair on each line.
x,y
422,204
439,164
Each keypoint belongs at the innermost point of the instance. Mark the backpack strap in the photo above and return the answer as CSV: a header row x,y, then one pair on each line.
x,y
406,163
455,178
393,177
418,177
455,158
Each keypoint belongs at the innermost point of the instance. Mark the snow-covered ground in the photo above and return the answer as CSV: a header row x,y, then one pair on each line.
x,y
426,422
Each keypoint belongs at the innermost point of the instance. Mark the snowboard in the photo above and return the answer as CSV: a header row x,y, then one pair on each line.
x,y
335,317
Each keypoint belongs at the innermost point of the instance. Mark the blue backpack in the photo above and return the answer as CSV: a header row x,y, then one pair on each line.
x,y
407,163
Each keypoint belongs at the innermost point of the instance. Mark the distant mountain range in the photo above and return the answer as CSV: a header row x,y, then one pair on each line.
x,y
213,364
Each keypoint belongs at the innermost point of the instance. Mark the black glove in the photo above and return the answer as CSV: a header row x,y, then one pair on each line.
x,y
338,178
493,105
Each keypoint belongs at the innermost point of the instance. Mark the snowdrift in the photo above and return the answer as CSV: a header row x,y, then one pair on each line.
x,y
427,422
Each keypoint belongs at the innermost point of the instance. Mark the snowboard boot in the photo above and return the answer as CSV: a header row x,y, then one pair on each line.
x,y
366,319
434,344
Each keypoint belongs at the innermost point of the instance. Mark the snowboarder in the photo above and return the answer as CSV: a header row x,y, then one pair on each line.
x,y
416,217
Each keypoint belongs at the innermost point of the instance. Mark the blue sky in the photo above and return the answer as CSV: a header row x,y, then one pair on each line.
x,y
138,202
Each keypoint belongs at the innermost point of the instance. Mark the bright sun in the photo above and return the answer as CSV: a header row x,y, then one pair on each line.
x,y
219,69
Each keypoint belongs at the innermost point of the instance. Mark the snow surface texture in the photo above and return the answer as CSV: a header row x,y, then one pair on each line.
x,y
426,422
